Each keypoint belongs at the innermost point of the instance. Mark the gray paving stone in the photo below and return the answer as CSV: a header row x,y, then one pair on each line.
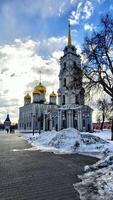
x,y
33,175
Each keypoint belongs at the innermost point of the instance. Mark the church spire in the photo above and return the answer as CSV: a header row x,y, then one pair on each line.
x,y
69,37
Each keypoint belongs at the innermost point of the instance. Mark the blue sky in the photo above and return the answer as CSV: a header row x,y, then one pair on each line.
x,y
33,34
41,19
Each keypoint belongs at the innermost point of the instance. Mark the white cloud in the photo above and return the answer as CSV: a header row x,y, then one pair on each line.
x,y
57,54
20,63
83,11
87,10
50,45
75,15
88,27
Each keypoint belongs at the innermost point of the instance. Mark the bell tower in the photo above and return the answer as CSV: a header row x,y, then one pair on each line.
x,y
70,77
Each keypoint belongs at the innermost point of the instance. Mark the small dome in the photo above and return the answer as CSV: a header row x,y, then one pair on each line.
x,y
53,94
39,89
27,97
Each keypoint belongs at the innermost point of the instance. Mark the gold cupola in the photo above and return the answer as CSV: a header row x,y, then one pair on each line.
x,y
39,89
35,91
53,97
27,97
53,94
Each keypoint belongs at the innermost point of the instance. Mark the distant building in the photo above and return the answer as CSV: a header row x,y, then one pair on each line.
x,y
71,110
7,123
107,125
2,127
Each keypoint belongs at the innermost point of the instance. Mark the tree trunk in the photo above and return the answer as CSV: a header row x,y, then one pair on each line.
x,y
112,121
102,124
112,130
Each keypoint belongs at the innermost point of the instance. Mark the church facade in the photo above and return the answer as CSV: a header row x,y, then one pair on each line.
x,y
31,114
71,110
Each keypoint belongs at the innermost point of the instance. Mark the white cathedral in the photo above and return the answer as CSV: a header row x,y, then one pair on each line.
x,y
70,111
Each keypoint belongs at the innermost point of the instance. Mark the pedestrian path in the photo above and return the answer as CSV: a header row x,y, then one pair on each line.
x,y
34,175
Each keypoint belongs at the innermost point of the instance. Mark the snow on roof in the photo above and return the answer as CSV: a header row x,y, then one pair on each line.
x,y
74,107
70,106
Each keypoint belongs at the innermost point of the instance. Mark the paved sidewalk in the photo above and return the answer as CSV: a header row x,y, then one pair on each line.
x,y
33,175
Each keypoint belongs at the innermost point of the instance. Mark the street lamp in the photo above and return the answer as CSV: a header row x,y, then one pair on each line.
x,y
33,123
40,118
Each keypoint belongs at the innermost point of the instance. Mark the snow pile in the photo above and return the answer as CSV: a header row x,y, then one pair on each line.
x,y
40,140
97,182
100,164
68,141
104,134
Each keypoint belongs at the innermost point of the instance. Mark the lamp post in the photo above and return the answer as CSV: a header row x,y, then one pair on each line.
x,y
33,123
39,124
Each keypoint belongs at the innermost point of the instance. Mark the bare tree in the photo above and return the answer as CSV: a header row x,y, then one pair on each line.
x,y
98,53
104,109
98,118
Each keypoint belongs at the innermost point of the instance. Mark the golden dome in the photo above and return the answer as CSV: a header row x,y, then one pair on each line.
x,y
27,97
53,94
39,89
36,92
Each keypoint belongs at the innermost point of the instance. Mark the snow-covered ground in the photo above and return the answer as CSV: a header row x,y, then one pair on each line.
x,y
105,134
70,141
97,181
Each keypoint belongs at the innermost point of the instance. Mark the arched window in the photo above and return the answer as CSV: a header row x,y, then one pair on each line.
x,y
64,84
65,114
83,122
63,99
75,64
76,100
72,48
